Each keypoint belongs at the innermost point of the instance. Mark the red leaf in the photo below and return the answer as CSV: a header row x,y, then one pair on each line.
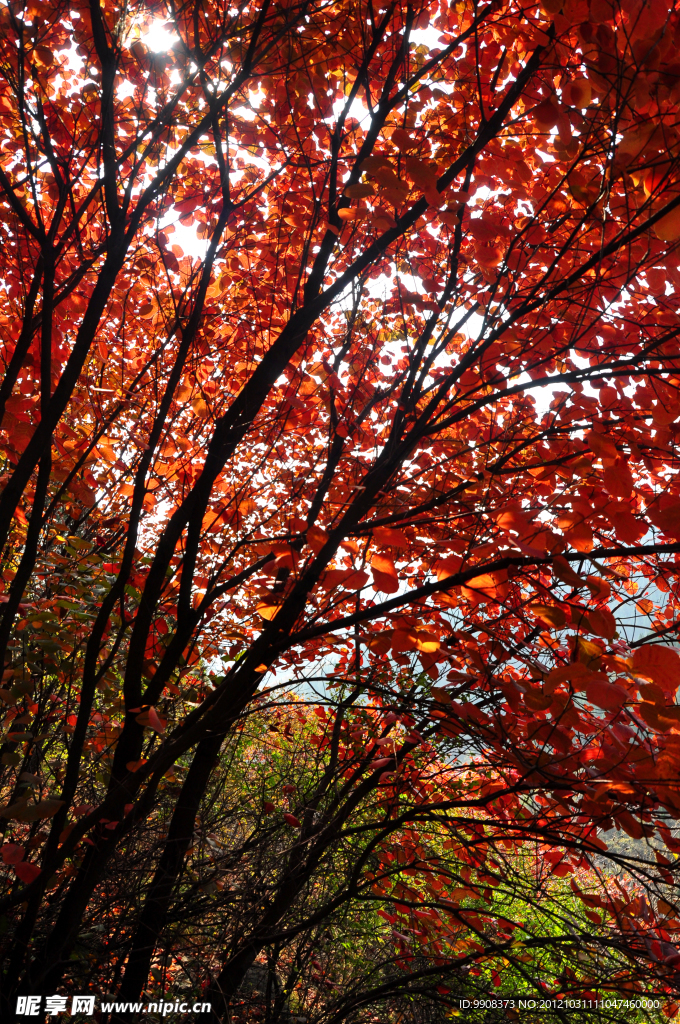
x,y
384,574
630,825
659,663
545,114
12,853
601,445
316,538
618,479
599,588
384,565
667,520
390,537
349,579
607,696
154,721
580,537
445,567
601,622
628,528
384,583
26,871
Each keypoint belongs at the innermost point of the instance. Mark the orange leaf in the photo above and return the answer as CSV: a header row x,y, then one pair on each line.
x,y
267,610
403,640
316,538
668,228
574,670
350,579
552,616
44,55
670,715
295,220
23,811
360,191
664,414
649,713
598,588
564,572
538,701
373,163
629,824
427,643
652,692
513,518
445,567
402,140
383,564
580,537
352,213
488,585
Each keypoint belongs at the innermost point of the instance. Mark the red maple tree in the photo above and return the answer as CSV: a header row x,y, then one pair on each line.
x,y
339,348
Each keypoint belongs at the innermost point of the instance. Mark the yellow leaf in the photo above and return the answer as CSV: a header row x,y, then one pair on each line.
x,y
200,408
427,643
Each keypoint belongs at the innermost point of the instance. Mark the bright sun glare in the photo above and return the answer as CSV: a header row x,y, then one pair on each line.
x,y
158,38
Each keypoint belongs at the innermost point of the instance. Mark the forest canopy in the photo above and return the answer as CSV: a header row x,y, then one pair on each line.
x,y
340,514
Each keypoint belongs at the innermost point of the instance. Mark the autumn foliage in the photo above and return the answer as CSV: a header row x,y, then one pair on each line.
x,y
340,515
